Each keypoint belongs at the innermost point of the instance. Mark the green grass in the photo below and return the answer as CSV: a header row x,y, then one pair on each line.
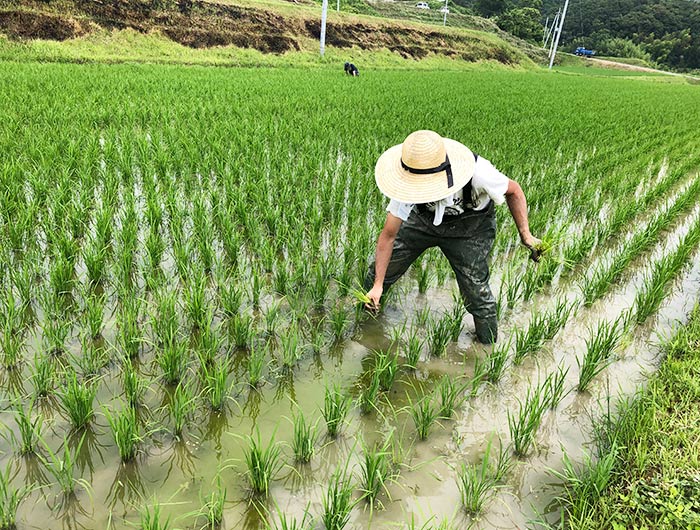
x,y
644,474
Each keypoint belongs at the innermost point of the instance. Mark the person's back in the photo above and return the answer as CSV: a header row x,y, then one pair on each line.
x,y
351,69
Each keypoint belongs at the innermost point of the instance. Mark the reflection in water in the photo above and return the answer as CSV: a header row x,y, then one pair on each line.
x,y
285,386
85,445
251,407
127,488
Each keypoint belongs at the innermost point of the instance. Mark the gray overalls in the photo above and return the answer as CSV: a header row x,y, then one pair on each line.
x,y
465,240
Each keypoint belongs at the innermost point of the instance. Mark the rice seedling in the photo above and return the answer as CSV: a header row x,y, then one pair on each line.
x,y
287,522
449,396
93,316
215,382
63,469
421,319
387,367
554,386
125,431
599,348
12,345
439,336
213,509
182,407
423,275
304,438
524,425
29,428
496,361
77,399
256,365
291,347
375,472
413,347
479,375
455,317
230,297
55,333
272,315
128,328
367,400
195,300
337,502
241,329
335,407
476,484
152,519
172,360
42,375
263,463
134,385
339,321
424,415
10,499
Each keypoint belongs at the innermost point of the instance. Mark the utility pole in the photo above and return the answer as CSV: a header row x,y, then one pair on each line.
x,y
324,13
444,18
556,41
338,6
549,31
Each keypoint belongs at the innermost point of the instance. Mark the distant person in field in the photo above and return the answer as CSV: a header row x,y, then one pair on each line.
x,y
441,194
351,69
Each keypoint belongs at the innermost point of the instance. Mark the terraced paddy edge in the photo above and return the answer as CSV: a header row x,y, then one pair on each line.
x,y
216,33
182,248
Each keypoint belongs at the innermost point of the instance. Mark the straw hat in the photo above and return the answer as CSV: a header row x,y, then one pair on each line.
x,y
424,168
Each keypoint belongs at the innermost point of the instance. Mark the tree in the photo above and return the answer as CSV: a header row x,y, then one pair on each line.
x,y
523,22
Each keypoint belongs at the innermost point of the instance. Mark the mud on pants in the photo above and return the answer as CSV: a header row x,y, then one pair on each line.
x,y
466,242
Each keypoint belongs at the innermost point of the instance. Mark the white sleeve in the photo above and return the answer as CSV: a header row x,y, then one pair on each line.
x,y
489,180
399,209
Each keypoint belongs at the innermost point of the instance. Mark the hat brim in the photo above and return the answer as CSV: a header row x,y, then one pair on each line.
x,y
397,183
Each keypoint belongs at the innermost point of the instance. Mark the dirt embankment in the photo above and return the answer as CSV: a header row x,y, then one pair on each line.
x,y
200,24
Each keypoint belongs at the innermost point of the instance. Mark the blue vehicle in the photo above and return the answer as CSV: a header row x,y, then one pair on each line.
x,y
583,52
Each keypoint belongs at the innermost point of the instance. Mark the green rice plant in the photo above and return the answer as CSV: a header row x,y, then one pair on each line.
x,y
272,315
55,333
479,375
61,273
455,317
213,509
531,339
496,361
133,384
557,318
93,315
242,330
554,386
422,318
291,347
77,399
256,366
599,348
524,425
386,367
339,321
128,327
318,285
152,519
337,502
10,499
29,428
215,382
476,484
335,407
439,335
449,396
317,338
423,275
281,278
195,300
413,347
367,399
164,319
63,469
125,431
181,407
12,345
263,463
230,297
42,375
172,360
424,415
375,472
304,438
285,521
91,359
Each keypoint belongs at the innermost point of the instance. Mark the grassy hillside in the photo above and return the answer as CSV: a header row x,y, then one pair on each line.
x,y
246,33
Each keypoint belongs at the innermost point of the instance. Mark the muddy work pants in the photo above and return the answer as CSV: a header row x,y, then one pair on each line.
x,y
466,241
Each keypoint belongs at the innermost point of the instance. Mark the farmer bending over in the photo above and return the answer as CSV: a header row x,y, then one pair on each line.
x,y
351,69
441,194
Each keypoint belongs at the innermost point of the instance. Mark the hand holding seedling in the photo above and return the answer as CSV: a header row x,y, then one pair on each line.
x,y
372,299
535,246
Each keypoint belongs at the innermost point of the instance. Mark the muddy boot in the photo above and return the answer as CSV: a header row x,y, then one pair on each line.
x,y
486,330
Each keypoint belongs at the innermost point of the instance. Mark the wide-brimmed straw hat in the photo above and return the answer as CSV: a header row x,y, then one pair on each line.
x,y
424,168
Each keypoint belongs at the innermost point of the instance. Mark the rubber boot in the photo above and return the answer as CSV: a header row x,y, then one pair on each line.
x,y
486,330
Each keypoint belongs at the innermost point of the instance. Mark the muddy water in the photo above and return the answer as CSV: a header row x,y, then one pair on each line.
x,y
179,473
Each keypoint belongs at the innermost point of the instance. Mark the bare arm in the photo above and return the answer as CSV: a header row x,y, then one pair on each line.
x,y
518,209
385,247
